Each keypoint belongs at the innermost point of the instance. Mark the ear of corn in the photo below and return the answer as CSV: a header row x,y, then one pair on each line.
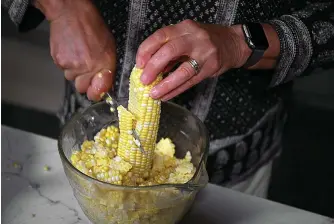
x,y
143,116
114,155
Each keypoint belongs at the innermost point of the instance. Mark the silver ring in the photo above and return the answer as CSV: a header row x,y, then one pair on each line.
x,y
194,64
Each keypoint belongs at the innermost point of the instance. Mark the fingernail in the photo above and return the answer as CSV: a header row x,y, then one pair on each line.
x,y
144,79
164,99
140,63
154,93
93,98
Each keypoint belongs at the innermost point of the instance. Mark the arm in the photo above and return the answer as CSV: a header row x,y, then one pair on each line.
x,y
296,43
80,42
305,39
23,14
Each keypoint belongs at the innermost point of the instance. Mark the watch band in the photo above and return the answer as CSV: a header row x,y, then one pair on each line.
x,y
256,40
254,58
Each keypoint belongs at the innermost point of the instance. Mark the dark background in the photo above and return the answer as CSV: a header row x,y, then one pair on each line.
x,y
32,90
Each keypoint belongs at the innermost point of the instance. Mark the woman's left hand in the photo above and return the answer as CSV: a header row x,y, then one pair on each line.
x,y
215,48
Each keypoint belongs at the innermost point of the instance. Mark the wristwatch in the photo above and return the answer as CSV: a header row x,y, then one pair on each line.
x,y
256,40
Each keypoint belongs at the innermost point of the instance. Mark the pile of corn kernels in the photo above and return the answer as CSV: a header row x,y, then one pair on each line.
x,y
98,159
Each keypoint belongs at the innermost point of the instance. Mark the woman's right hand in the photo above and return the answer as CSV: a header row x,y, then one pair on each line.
x,y
81,44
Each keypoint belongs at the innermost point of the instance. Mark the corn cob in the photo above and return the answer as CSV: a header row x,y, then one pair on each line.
x,y
143,116
114,155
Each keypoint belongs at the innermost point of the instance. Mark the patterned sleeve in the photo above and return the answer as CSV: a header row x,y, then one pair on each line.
x,y
307,41
23,14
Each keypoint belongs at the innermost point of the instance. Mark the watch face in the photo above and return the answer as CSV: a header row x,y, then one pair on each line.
x,y
256,36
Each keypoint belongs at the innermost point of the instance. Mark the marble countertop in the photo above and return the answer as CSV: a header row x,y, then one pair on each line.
x,y
31,194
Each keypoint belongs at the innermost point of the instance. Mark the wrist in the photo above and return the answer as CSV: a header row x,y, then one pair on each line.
x,y
274,43
52,9
244,50
269,55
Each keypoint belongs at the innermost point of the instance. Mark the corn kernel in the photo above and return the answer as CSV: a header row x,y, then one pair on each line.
x,y
46,168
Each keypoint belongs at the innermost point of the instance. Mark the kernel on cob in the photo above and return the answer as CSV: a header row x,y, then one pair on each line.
x,y
143,116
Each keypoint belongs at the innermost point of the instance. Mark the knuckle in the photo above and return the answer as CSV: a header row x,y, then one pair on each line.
x,y
215,65
60,60
160,35
150,66
187,71
189,23
212,48
203,34
69,76
213,54
90,64
76,64
170,49
141,50
215,61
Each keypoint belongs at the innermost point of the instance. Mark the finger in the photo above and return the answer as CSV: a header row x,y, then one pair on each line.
x,y
154,42
205,72
181,75
171,66
167,53
185,86
71,74
182,88
100,83
82,82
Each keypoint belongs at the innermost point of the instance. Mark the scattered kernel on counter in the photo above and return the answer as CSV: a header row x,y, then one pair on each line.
x,y
46,168
99,160
16,165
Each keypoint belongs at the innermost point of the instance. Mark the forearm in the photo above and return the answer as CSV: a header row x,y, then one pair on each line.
x,y
54,9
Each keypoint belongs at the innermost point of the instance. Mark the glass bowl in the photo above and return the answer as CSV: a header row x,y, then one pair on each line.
x,y
106,203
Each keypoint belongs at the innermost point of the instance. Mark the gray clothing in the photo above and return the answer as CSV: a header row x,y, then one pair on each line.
x,y
243,110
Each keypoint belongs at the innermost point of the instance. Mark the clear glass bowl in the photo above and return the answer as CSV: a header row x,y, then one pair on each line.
x,y
106,203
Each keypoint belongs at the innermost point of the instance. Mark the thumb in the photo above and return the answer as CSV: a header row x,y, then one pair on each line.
x,y
101,83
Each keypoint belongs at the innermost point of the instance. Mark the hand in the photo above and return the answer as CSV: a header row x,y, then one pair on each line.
x,y
216,49
81,44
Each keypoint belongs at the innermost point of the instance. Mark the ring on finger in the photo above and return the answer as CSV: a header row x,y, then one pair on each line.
x,y
194,64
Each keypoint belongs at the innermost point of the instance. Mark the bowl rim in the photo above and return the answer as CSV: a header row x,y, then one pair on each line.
x,y
189,185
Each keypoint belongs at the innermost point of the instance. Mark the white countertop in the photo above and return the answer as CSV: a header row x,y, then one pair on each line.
x,y
32,195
